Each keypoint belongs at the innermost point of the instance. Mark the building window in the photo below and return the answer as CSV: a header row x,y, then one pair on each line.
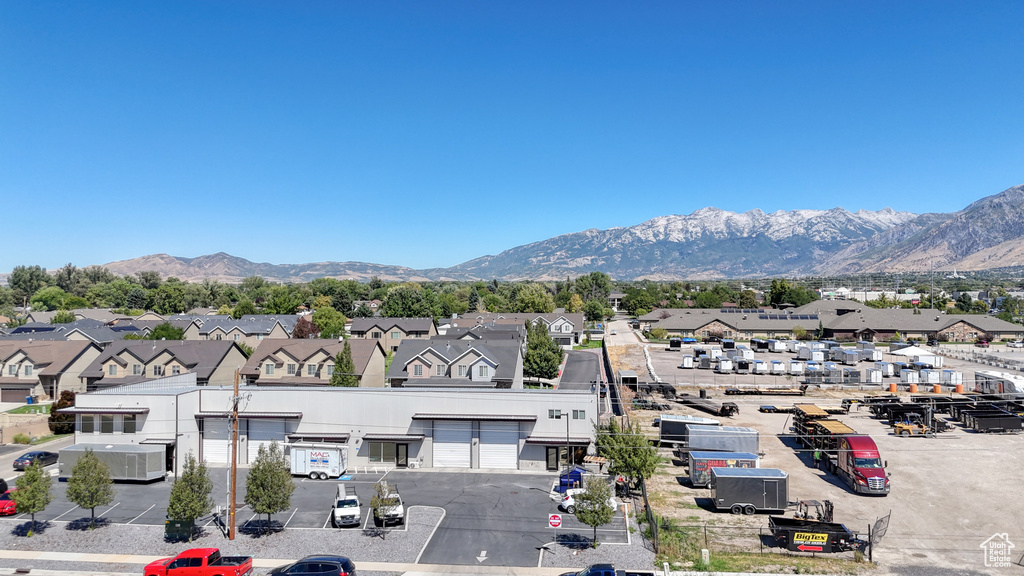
x,y
175,369
12,370
554,414
291,369
106,424
311,369
112,370
136,369
417,370
462,370
220,336
237,338
579,414
439,370
382,451
88,425
128,426
28,369
158,370
375,335
396,335
482,371
268,369
259,336
330,369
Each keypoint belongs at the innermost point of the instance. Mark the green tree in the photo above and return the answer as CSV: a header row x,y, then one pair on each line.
x,y
383,503
591,506
632,454
269,485
543,355
330,322
575,304
190,493
344,368
63,317
136,298
243,307
474,300
62,423
166,331
49,298
90,484
593,310
594,286
33,494
747,299
405,301
26,281
281,301
533,298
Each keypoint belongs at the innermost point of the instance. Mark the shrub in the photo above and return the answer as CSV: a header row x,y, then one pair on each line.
x,y
22,439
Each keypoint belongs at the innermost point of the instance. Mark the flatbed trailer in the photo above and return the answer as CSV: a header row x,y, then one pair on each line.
x,y
709,406
801,535
766,391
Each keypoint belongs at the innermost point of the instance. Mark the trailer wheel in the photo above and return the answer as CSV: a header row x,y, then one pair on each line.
x,y
904,433
736,509
749,510
323,476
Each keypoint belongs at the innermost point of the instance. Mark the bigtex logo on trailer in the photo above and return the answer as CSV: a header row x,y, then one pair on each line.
x,y
810,537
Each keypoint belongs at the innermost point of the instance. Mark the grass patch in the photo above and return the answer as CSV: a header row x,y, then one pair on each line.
x,y
49,438
591,344
31,409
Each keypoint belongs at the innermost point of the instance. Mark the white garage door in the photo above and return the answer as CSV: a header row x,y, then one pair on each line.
x,y
499,445
261,432
451,444
216,441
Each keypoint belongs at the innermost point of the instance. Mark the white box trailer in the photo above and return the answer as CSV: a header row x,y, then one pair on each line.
x,y
910,377
760,367
777,345
724,366
126,461
792,345
744,352
796,368
933,359
930,377
777,367
874,376
318,461
687,362
952,377
817,356
803,353
887,369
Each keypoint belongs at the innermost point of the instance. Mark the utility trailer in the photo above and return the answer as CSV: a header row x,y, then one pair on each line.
x,y
701,463
749,490
799,535
673,427
721,439
767,391
318,461
136,462
709,406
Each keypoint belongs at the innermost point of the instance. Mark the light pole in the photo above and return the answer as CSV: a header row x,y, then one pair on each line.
x,y
565,415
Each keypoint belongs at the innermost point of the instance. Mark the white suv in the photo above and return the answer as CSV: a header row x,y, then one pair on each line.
x,y
1015,344
569,502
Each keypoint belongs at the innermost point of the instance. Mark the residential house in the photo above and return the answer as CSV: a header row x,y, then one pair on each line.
x,y
391,332
463,363
43,368
104,315
565,328
248,330
130,361
310,362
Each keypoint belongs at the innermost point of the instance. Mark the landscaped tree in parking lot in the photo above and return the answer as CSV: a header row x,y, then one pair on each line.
x,y
33,494
90,484
269,486
631,452
591,505
190,494
543,355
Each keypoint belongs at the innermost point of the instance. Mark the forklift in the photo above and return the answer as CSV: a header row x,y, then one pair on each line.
x,y
913,425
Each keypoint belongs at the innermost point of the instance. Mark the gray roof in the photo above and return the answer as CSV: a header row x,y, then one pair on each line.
x,y
199,356
407,325
503,353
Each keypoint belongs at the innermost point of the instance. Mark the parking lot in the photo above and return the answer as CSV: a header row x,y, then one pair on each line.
x,y
949,494
489,518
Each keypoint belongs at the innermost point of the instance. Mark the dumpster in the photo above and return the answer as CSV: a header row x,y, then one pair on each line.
x,y
572,478
178,530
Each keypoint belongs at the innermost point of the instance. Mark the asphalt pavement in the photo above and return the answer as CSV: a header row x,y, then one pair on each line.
x,y
582,369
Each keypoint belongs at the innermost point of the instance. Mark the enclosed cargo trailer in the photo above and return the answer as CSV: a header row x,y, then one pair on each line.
x,y
142,462
749,490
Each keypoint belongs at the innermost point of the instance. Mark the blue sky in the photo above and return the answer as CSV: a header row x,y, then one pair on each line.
x,y
425,134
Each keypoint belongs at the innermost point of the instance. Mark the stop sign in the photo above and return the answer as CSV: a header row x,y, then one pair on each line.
x,y
554,520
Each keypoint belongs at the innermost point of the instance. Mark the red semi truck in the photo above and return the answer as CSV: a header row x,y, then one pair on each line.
x,y
851,456
201,562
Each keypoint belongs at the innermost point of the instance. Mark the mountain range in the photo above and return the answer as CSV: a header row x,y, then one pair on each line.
x,y
707,244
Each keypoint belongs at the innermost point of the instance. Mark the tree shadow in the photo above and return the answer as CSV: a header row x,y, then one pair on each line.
x,y
24,528
84,524
260,528
574,541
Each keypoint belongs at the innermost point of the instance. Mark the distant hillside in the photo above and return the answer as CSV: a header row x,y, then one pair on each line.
x,y
709,243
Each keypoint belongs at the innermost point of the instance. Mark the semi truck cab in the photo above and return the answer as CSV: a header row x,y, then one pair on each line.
x,y
859,463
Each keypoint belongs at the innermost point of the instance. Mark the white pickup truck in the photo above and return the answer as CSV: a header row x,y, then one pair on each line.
x,y
346,510
393,511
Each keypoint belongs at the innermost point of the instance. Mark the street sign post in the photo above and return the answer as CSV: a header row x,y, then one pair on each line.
x,y
554,520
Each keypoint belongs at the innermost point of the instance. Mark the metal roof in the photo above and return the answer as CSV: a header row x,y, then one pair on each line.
x,y
394,437
160,441
319,436
250,414
496,417
89,410
556,441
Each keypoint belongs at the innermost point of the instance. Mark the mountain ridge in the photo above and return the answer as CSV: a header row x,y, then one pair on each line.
x,y
708,243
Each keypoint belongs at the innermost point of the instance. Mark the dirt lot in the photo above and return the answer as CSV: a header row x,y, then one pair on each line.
x,y
949,494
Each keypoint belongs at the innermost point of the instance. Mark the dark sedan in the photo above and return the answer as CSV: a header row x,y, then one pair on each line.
x,y
27,458
320,565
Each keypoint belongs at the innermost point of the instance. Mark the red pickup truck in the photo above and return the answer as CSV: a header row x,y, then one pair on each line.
x,y
201,562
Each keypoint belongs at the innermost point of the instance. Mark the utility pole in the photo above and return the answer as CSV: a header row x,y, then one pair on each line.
x,y
234,460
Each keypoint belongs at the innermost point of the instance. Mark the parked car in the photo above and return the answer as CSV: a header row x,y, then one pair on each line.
x,y
1015,344
982,344
396,514
319,565
26,459
7,504
201,562
569,501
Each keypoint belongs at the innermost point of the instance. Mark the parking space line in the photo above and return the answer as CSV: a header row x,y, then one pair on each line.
x,y
290,517
330,515
107,511
137,517
68,512
431,535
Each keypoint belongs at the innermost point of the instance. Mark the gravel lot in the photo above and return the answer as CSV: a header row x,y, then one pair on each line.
x,y
949,493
